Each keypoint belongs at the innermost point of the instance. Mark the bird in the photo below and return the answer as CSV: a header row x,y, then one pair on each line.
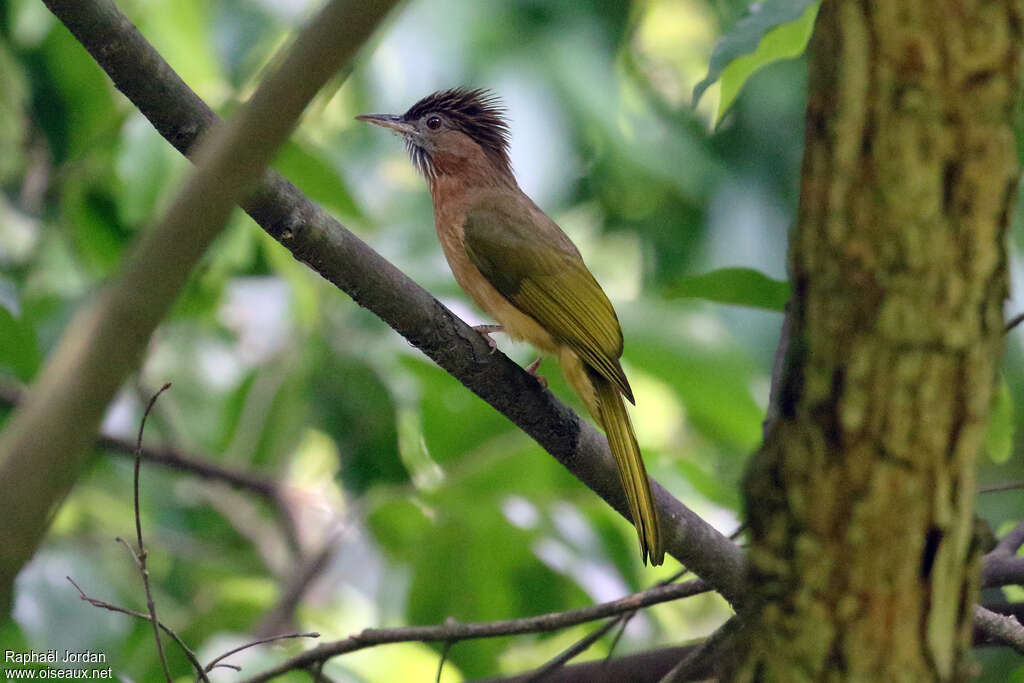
x,y
522,269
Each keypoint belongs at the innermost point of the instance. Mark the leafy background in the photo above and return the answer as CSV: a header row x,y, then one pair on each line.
x,y
429,504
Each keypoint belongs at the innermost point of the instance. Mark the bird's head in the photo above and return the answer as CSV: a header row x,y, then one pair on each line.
x,y
452,132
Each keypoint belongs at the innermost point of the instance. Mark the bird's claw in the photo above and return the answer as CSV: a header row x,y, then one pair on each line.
x,y
532,369
486,330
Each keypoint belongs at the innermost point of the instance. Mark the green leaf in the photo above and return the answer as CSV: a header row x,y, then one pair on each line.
x,y
738,286
18,349
468,561
355,408
999,438
183,34
13,114
144,163
73,102
708,483
100,238
712,378
316,177
455,421
779,29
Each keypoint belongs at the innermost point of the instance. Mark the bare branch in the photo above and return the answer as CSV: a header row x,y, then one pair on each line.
x,y
700,663
643,667
171,458
301,578
1011,542
573,651
103,604
1002,566
444,658
201,671
1002,569
346,261
1013,322
214,663
140,558
1007,486
452,631
652,665
1000,627
583,644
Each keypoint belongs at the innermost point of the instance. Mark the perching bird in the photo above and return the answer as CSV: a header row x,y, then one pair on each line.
x,y
519,267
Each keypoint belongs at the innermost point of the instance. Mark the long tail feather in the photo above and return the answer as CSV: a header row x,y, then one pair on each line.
x,y
618,428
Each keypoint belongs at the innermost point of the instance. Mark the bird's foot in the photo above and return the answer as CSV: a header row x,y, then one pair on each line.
x,y
532,369
486,331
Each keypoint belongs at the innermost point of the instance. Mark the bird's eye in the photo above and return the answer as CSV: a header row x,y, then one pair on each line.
x,y
434,122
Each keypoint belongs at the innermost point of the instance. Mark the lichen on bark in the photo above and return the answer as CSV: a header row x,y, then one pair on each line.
x,y
861,499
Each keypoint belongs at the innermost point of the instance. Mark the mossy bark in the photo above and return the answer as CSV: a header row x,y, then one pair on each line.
x,y
861,500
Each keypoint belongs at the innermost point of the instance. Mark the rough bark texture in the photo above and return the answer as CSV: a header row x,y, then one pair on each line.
x,y
861,499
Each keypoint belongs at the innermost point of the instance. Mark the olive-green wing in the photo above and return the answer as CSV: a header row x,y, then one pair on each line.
x,y
530,261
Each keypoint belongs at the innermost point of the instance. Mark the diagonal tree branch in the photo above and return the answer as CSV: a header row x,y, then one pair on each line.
x,y
175,459
45,442
1001,628
1001,569
1011,542
253,482
346,261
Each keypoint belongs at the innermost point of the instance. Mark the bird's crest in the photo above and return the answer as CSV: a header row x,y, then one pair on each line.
x,y
478,113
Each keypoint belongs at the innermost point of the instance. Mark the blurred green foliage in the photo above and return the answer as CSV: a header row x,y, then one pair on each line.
x,y
778,29
432,504
741,286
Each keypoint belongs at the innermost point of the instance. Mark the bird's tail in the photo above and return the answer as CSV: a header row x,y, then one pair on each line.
x,y
618,428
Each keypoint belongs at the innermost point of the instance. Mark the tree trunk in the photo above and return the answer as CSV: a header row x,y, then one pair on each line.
x,y
863,565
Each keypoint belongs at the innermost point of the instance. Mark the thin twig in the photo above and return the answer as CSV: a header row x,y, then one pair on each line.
x,y
1008,486
584,643
103,604
12,395
270,639
299,581
201,670
131,550
1000,627
628,616
623,623
1013,322
140,559
574,650
175,459
698,663
444,658
318,675
454,631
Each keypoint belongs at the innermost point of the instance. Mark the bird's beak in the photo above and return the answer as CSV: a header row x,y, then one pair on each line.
x,y
391,121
